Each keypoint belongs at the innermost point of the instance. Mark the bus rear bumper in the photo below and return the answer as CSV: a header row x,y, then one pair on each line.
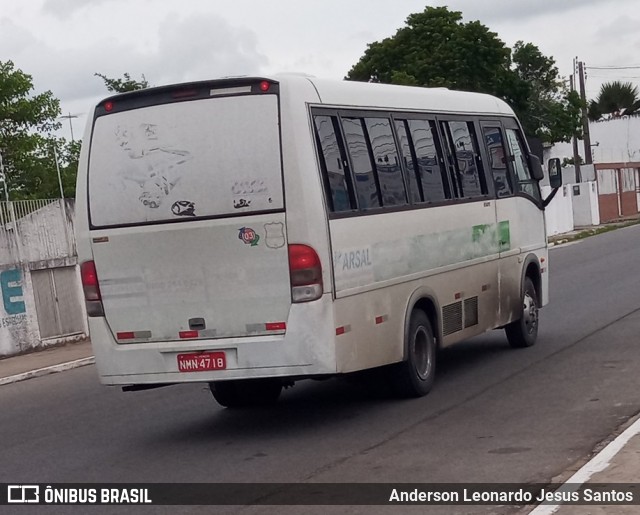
x,y
303,350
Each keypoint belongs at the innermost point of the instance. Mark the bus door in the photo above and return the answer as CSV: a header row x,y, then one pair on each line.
x,y
519,214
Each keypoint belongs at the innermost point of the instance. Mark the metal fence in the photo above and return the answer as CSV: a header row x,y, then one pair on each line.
x,y
36,230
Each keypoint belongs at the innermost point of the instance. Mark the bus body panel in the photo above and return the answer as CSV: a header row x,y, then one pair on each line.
x,y
527,235
155,280
379,259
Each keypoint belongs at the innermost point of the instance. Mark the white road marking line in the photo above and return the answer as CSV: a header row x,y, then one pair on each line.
x,y
48,370
597,464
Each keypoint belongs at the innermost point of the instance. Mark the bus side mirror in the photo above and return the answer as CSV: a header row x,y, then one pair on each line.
x,y
536,168
555,173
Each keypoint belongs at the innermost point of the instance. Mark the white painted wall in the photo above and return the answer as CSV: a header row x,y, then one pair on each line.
x,y
559,213
586,211
613,141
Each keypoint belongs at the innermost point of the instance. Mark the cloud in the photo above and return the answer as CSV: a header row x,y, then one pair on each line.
x,y
203,47
620,27
488,11
190,48
66,8
14,39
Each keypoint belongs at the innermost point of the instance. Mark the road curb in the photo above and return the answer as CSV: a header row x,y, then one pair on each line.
x,y
39,372
598,463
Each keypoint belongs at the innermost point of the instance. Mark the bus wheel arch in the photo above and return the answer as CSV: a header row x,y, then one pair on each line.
x,y
414,375
523,332
532,271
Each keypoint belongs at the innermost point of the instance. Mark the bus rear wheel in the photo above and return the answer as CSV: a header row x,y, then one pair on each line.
x,y
414,377
245,393
524,332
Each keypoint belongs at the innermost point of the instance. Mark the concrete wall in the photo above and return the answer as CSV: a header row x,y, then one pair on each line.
x,y
585,204
37,231
18,320
34,235
613,141
559,213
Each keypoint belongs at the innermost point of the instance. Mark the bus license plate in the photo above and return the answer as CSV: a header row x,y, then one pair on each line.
x,y
202,361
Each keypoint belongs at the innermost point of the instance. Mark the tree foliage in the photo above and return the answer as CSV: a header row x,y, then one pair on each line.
x,y
27,140
124,84
436,48
614,99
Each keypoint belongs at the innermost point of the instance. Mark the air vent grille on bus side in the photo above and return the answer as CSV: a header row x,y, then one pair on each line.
x,y
452,318
471,311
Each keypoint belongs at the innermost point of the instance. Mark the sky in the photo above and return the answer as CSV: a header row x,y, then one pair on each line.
x,y
62,43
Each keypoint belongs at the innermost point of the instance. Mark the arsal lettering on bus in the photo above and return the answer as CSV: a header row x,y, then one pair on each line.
x,y
353,267
356,259
155,167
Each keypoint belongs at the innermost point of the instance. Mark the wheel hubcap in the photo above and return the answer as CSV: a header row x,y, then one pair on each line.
x,y
423,359
530,313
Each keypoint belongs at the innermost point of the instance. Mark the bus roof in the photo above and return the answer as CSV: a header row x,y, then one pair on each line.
x,y
365,95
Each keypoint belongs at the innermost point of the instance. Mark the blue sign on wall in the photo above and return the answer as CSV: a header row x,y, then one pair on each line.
x,y
11,288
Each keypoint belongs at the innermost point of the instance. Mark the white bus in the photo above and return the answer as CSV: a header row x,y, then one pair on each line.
x,y
251,232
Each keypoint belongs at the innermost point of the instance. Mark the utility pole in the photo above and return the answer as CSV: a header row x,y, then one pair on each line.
x,y
585,119
3,178
574,140
69,117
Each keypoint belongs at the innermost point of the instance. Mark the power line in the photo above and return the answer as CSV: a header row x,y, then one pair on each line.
x,y
635,67
617,76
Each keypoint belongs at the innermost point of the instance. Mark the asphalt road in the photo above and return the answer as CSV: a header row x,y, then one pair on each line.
x,y
495,414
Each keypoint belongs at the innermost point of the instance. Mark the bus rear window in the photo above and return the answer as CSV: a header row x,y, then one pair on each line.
x,y
186,160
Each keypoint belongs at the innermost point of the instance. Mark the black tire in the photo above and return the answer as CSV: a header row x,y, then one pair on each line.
x,y
414,377
524,331
244,393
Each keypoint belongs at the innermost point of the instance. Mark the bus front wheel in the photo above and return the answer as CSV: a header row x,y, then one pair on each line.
x,y
414,377
244,393
524,332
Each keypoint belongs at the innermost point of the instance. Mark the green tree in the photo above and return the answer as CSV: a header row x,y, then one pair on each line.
x,y
27,123
615,98
594,113
435,48
545,107
123,85
37,172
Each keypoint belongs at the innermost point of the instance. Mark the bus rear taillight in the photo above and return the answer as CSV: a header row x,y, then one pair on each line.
x,y
92,297
306,273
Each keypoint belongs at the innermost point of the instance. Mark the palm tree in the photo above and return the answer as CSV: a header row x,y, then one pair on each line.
x,y
615,98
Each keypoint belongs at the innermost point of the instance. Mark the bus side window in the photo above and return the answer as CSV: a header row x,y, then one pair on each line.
x,y
433,179
467,158
332,164
498,161
525,183
385,157
409,159
363,172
